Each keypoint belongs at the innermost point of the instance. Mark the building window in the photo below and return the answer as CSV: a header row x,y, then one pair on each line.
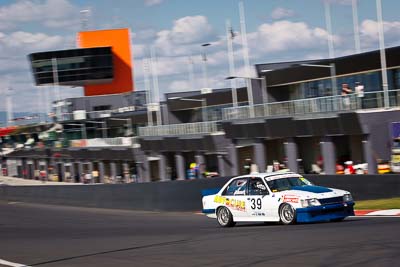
x,y
396,78
104,107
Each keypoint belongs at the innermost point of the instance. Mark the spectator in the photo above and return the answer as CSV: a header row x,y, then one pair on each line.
x,y
275,165
77,178
88,178
359,88
247,166
346,89
42,175
349,167
345,95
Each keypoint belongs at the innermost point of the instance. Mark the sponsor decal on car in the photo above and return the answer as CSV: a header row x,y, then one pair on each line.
x,y
258,214
231,202
290,199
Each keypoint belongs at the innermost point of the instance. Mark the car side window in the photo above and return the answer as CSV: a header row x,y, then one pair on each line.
x,y
257,187
236,188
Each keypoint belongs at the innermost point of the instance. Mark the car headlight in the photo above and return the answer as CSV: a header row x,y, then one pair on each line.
x,y
347,198
310,202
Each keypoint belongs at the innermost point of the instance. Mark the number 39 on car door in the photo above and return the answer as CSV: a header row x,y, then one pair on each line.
x,y
257,199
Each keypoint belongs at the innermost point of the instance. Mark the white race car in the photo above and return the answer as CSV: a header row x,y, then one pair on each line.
x,y
284,197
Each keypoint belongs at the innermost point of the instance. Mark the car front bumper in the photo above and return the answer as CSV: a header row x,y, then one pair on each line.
x,y
325,212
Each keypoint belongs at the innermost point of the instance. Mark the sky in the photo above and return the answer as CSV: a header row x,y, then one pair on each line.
x,y
277,30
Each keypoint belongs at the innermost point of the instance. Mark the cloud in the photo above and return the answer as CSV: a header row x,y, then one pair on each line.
x,y
340,2
182,39
50,13
152,2
25,41
369,33
15,69
180,86
144,35
286,35
281,13
272,40
139,50
13,64
186,33
217,80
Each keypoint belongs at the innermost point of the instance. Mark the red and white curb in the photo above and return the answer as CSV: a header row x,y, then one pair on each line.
x,y
11,264
392,212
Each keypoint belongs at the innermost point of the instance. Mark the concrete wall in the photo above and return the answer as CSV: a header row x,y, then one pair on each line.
x,y
378,124
179,195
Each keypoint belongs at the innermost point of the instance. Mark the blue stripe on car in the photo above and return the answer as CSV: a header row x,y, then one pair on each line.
x,y
312,188
208,211
207,192
325,212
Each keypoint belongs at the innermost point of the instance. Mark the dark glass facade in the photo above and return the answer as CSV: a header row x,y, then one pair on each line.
x,y
73,67
372,82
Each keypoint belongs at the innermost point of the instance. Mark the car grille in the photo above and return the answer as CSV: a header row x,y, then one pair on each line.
x,y
332,200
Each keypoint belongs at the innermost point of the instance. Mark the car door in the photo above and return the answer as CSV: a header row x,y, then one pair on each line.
x,y
234,197
258,201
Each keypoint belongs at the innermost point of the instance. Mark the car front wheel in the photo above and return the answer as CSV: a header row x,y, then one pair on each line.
x,y
224,217
287,214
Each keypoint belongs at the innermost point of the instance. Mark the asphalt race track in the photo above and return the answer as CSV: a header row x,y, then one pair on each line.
x,y
40,235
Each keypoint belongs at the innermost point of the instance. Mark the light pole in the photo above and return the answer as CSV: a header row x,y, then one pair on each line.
x,y
191,72
246,58
9,106
203,104
154,70
264,80
250,99
146,71
355,26
331,50
204,57
382,54
229,38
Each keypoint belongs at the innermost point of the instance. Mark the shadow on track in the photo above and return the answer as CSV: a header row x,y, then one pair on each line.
x,y
259,224
110,251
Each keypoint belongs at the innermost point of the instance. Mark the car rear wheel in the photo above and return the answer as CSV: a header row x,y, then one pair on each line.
x,y
224,217
287,214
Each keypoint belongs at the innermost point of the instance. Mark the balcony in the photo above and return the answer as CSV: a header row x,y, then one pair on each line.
x,y
101,114
314,107
207,127
105,142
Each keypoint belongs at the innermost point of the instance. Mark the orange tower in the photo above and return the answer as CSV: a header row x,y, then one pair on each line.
x,y
119,41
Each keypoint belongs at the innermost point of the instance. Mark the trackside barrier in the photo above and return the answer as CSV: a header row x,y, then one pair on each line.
x,y
180,195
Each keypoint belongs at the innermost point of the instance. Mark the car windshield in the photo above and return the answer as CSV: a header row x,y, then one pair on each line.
x,y
286,183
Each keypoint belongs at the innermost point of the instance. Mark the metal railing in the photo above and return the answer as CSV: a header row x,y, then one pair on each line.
x,y
301,107
180,129
65,116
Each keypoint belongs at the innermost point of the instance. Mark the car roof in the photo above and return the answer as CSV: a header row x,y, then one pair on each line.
x,y
270,175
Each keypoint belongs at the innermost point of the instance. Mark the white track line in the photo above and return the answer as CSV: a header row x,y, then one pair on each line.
x,y
12,264
374,216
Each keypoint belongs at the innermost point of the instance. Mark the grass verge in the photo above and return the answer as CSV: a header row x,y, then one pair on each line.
x,y
378,204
